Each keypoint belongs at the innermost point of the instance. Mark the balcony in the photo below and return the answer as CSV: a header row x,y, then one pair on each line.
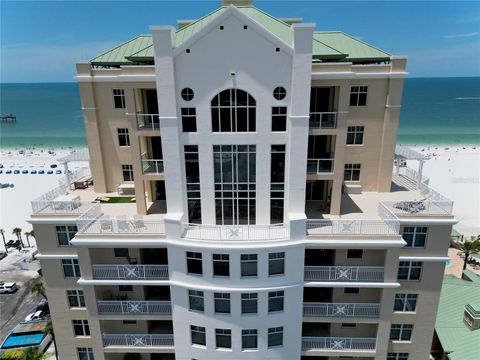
x,y
59,201
341,310
344,273
138,340
147,121
131,272
152,166
352,227
319,166
134,307
323,120
91,223
338,343
236,232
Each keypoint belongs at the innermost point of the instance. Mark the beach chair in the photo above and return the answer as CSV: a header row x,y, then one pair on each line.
x,y
122,224
138,224
106,224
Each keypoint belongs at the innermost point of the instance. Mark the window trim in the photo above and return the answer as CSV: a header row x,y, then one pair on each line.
x,y
125,134
127,169
352,168
274,331
73,263
192,255
401,329
414,236
199,295
121,95
356,131
249,333
88,352
198,329
84,326
419,265
76,295
223,297
358,90
279,116
274,296
274,258
248,298
403,297
67,232
223,333
221,260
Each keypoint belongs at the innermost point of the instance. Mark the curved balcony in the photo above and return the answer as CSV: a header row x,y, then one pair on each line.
x,y
132,272
134,307
344,273
138,340
338,343
357,310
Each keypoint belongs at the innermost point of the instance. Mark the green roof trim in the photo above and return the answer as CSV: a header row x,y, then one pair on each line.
x,y
455,233
458,341
325,45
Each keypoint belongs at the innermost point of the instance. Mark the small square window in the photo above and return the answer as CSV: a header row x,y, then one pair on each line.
x,y
352,172
275,336
223,338
198,335
81,328
358,95
85,353
249,303
222,303
275,301
249,339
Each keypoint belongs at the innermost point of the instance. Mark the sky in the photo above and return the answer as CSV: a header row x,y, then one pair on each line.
x,y
40,41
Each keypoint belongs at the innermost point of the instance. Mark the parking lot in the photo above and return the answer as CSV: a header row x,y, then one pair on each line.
x,y
15,307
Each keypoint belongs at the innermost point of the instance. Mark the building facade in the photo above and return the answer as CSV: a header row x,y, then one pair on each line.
x,y
259,216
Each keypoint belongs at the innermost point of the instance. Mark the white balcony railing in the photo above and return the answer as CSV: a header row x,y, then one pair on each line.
x,y
132,272
133,307
344,273
319,309
138,340
152,166
323,120
236,232
147,121
90,224
319,166
352,227
338,343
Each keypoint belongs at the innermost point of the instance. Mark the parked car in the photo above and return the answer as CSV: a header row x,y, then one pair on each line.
x,y
7,287
3,254
37,315
43,307
10,243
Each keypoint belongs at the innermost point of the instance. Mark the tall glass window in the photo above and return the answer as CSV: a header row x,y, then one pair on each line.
x,y
192,172
277,186
233,110
234,168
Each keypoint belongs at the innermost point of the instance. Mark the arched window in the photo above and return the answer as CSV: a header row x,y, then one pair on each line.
x,y
233,110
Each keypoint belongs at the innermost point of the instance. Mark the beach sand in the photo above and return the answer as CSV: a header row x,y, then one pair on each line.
x,y
454,171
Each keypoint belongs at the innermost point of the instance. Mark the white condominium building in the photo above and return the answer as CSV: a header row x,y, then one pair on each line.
x,y
261,215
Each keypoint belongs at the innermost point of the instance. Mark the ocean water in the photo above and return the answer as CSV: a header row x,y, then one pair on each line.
x,y
434,111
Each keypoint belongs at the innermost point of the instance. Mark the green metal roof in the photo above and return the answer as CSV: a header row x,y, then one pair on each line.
x,y
357,50
326,46
458,341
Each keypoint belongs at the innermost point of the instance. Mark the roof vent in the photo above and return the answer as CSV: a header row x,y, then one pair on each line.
x,y
471,316
237,2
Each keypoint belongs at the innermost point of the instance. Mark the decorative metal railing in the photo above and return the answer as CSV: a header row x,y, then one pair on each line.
x,y
132,272
338,343
138,340
319,309
236,232
91,224
352,227
323,120
134,307
344,273
319,166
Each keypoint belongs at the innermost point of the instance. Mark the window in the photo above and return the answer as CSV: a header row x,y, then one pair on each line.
x,y
279,93
223,338
221,265
235,185
358,95
279,118
198,335
275,301
129,322
351,290
119,98
222,303
192,172
405,302
352,172
194,263
275,336
85,353
127,172
195,299
65,234
248,264
409,270
121,252
123,137
81,328
75,298
233,110
125,287
277,186
187,93
397,356
189,120
249,339
401,332
354,253
349,325
249,303
355,135
71,269
276,263
415,236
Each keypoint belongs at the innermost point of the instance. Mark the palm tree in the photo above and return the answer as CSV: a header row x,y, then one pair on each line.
x,y
27,234
468,247
39,289
15,354
2,232
33,353
49,330
18,231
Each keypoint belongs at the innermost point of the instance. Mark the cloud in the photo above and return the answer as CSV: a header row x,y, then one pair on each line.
x,y
28,62
454,36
